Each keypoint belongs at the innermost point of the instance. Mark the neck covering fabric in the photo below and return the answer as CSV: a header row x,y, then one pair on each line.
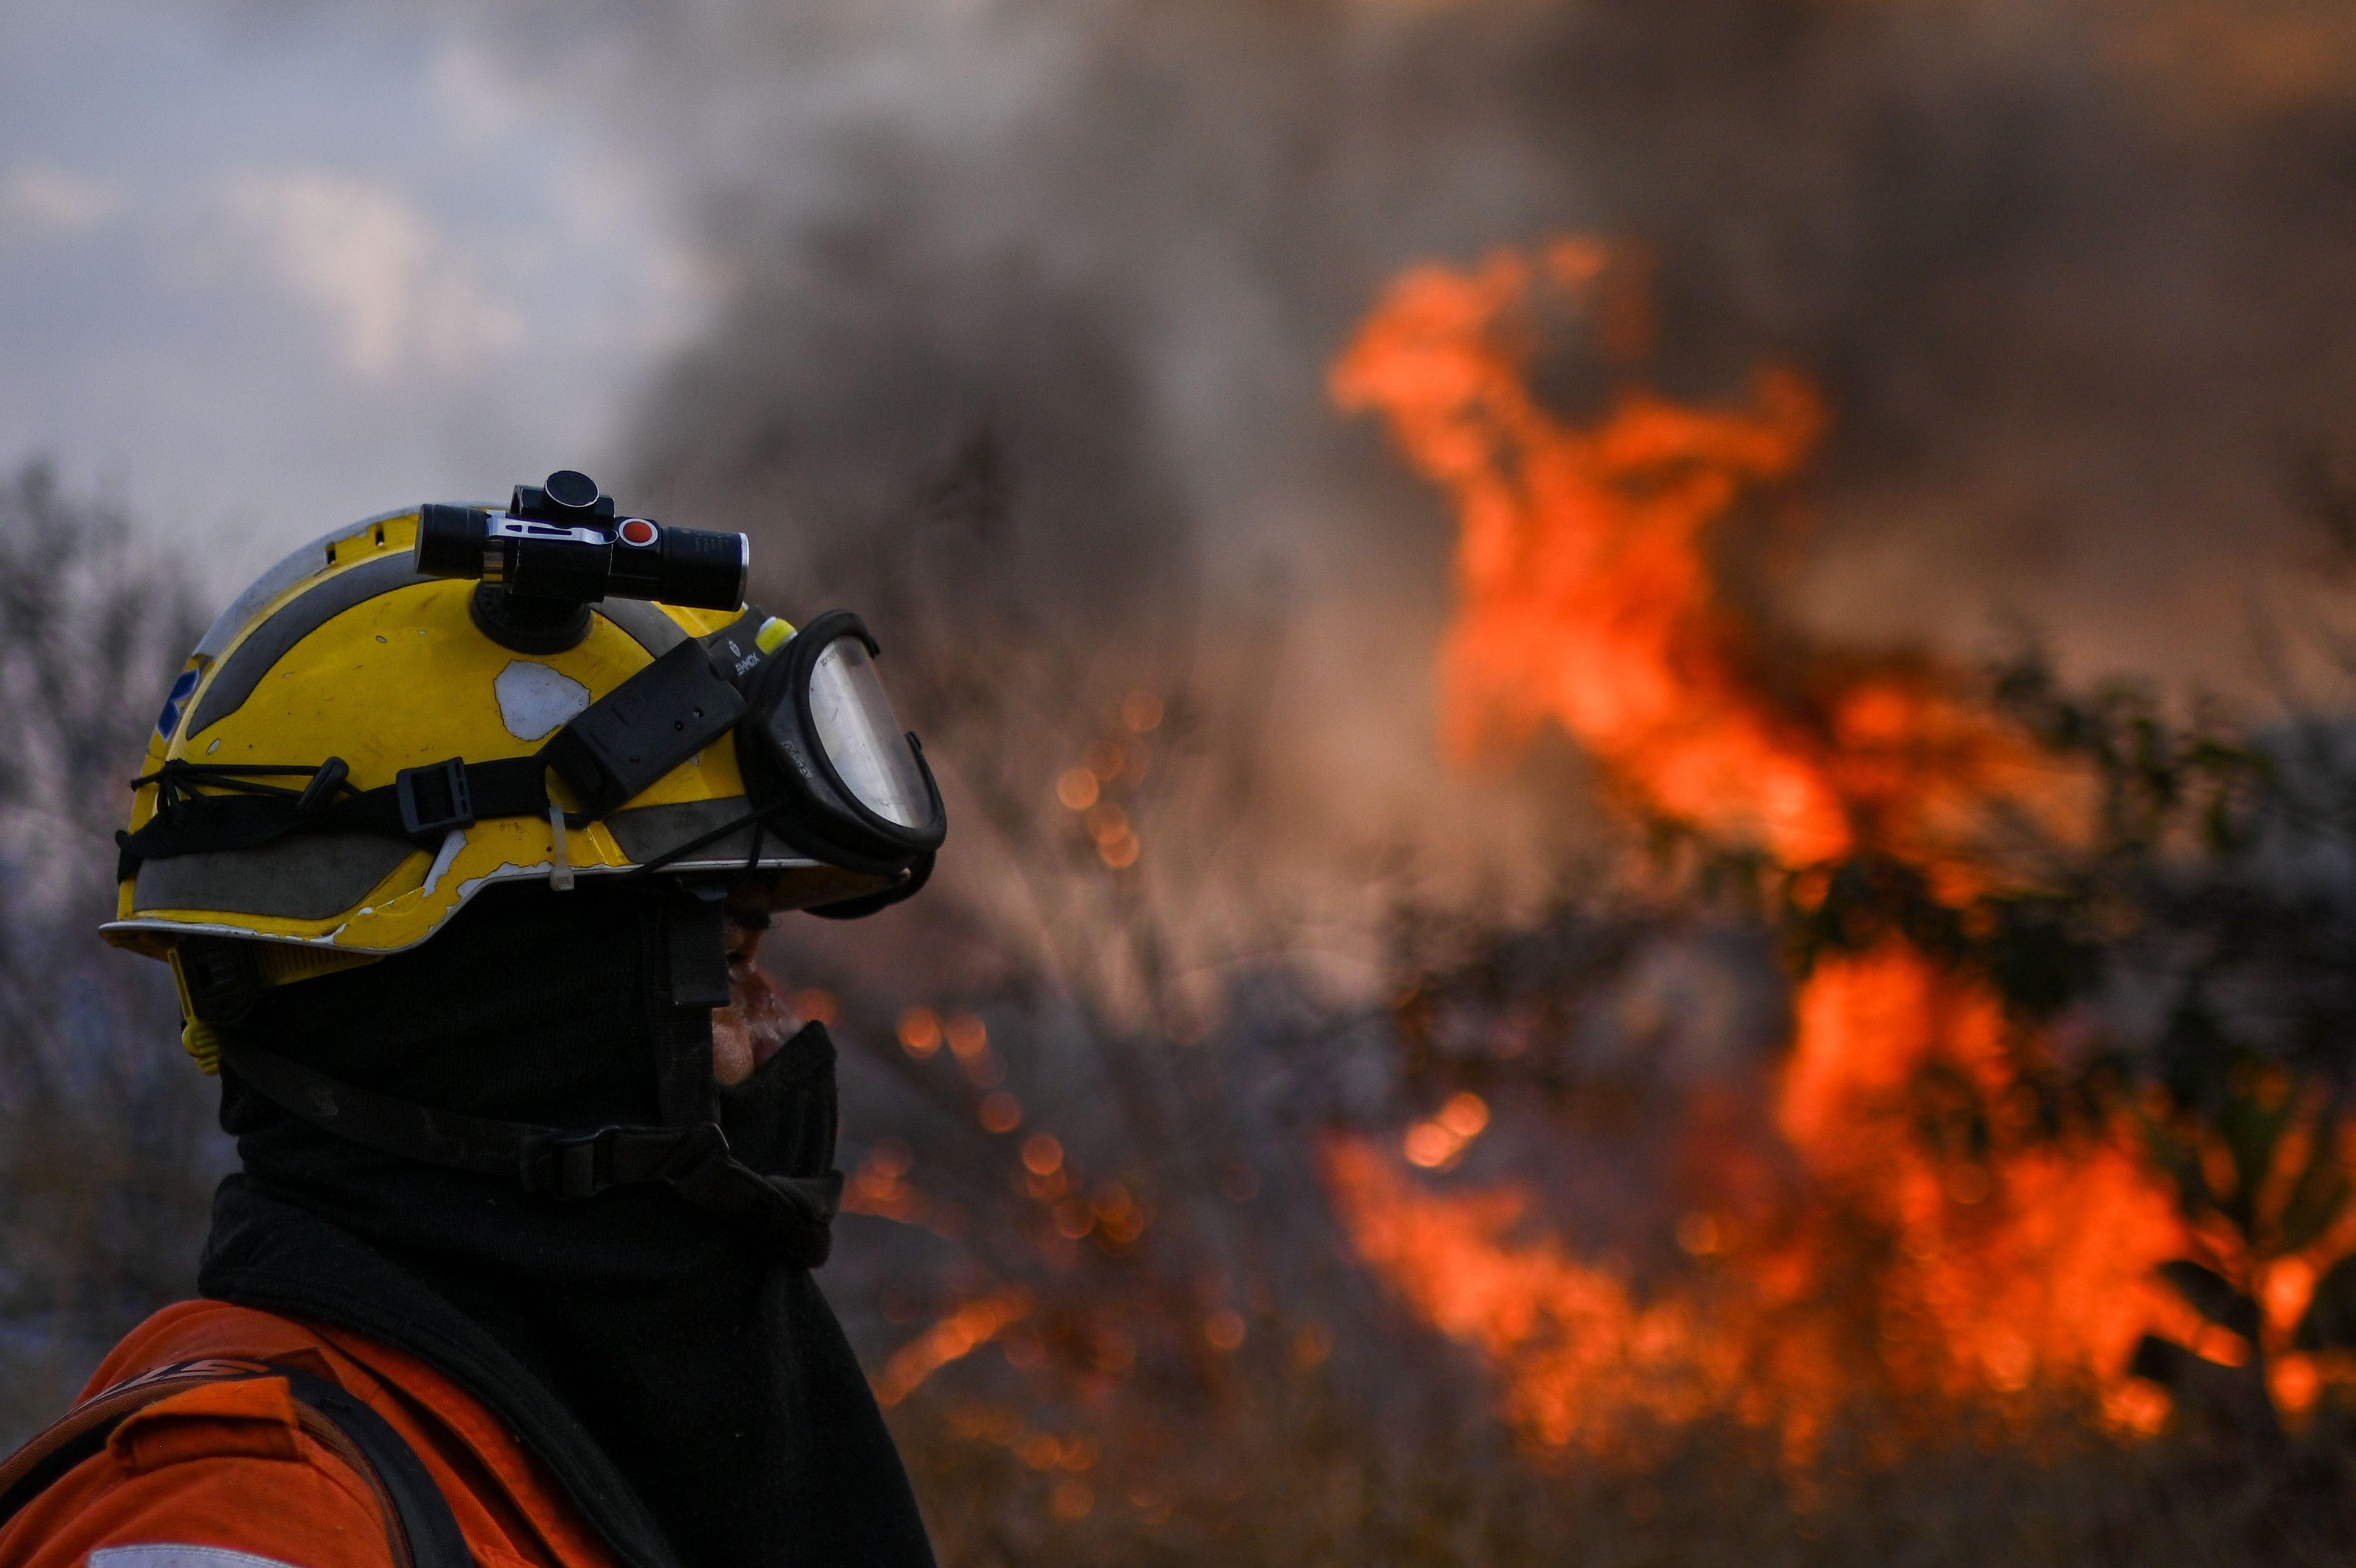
x,y
693,1395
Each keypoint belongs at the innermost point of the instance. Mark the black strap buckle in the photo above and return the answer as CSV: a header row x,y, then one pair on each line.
x,y
701,1152
434,798
221,976
570,1166
332,775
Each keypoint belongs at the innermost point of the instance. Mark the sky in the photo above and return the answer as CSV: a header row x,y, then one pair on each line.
x,y
261,277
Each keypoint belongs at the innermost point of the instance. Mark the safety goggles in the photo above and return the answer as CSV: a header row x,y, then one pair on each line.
x,y
829,769
824,753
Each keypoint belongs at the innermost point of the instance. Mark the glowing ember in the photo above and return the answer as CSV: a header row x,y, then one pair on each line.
x,y
969,1037
880,1186
1141,712
920,1031
1440,1141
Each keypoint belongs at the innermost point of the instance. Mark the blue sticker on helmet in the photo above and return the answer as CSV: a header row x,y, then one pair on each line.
x,y
169,719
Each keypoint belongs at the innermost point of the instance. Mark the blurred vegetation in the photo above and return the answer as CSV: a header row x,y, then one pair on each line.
x,y
107,1152
1296,1480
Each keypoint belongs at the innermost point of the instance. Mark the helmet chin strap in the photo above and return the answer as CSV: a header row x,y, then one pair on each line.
x,y
688,1153
693,935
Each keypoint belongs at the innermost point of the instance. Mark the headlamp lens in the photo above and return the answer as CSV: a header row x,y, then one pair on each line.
x,y
864,737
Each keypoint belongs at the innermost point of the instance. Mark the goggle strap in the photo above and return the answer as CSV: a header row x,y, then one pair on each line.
x,y
678,852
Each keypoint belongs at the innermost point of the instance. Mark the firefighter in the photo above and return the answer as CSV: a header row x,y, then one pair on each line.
x,y
458,832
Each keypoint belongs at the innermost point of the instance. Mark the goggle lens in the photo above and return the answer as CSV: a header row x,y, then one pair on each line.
x,y
864,737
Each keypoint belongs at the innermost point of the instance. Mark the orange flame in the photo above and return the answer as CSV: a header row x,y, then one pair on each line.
x,y
1585,1355
954,1338
1587,597
1585,588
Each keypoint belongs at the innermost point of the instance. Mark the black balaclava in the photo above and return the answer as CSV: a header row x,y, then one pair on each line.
x,y
689,1388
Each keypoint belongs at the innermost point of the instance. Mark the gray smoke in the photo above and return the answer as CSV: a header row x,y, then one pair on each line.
x,y
2074,277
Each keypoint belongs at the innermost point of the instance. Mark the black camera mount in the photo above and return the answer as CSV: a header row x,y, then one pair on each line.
x,y
559,549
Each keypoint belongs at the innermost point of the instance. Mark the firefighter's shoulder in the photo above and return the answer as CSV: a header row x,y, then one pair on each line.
x,y
219,1475
248,1460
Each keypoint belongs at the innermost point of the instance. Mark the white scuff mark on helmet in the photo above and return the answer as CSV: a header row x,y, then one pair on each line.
x,y
452,842
535,699
505,872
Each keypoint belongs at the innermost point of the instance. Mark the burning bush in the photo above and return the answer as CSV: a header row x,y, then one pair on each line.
x,y
1948,1099
1955,1194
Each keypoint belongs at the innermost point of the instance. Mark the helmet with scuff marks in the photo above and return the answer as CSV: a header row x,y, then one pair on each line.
x,y
345,654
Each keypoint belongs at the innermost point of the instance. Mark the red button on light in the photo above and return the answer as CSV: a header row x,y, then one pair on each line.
x,y
637,531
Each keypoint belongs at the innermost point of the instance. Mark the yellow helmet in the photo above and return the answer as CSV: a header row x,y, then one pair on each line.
x,y
365,740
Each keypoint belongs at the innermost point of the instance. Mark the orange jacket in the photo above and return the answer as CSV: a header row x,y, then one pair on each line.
x,y
228,1465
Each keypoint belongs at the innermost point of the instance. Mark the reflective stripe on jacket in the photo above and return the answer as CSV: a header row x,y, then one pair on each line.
x,y
228,1466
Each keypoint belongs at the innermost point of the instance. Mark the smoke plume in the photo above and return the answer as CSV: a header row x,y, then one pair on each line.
x,y
2069,278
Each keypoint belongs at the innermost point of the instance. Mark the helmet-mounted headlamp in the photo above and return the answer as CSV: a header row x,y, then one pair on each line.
x,y
559,549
